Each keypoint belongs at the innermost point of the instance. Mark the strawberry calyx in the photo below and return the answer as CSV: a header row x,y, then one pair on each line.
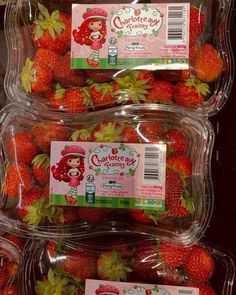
x,y
113,267
201,87
155,216
131,88
59,92
108,132
42,160
87,99
28,75
58,282
188,202
83,134
104,88
45,21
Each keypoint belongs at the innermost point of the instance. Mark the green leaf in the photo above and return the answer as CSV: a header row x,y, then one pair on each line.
x,y
43,10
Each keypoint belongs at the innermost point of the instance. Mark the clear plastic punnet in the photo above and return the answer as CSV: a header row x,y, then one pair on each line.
x,y
10,263
130,169
76,56
126,266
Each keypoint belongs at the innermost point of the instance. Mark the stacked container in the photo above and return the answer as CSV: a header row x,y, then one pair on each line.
x,y
106,151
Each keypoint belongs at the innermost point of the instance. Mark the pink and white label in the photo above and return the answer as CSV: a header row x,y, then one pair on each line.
x,y
97,287
130,36
112,175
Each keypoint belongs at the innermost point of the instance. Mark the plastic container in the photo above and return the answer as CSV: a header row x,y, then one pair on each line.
x,y
189,195
147,266
10,261
210,24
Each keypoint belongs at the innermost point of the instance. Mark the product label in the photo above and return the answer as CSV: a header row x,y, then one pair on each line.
x,y
97,287
131,36
111,175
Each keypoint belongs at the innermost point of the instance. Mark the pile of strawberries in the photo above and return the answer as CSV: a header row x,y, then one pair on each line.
x,y
47,74
26,184
9,267
146,261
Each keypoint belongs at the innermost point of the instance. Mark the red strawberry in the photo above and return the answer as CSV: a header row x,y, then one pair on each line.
x,y
191,92
197,22
66,215
41,164
77,100
18,179
112,267
208,63
48,57
45,132
199,264
204,288
21,147
162,91
81,263
11,290
144,216
50,30
83,134
146,262
172,255
16,240
172,277
92,215
130,134
12,269
180,164
67,76
101,76
102,94
33,208
134,87
176,141
114,151
108,132
36,77
149,128
4,277
56,97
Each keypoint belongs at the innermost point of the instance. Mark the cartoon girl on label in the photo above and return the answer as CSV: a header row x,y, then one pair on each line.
x,y
92,32
70,169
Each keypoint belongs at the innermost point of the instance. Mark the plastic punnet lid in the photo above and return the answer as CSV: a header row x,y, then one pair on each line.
x,y
144,264
39,72
142,172
10,261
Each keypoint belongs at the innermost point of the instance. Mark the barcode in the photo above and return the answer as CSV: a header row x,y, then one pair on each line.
x,y
186,292
153,164
177,24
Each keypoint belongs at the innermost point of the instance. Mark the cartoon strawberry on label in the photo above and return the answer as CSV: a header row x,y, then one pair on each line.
x,y
71,199
121,173
137,12
114,151
101,146
107,290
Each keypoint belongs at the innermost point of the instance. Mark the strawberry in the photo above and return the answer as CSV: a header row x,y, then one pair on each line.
x,y
36,77
17,241
172,255
83,134
200,264
56,97
134,87
208,63
50,31
101,76
112,267
146,262
172,277
12,269
92,215
197,22
45,132
176,141
21,147
33,208
204,288
11,290
41,164
190,93
18,179
130,134
145,216
67,76
4,277
77,100
180,164
102,94
47,57
81,263
149,128
108,131
66,215
162,91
